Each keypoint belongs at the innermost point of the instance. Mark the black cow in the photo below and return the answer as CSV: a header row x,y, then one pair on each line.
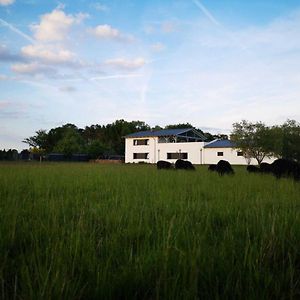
x,y
224,167
184,165
285,168
265,168
212,167
161,164
253,169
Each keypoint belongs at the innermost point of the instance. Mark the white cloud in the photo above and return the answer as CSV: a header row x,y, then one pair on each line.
x,y
48,55
6,2
100,6
105,31
56,25
157,47
31,68
108,32
126,64
49,49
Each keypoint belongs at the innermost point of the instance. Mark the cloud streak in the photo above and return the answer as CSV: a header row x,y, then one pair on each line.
x,y
17,31
207,12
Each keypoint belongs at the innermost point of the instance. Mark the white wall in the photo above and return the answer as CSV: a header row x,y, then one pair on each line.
x,y
210,156
196,153
230,154
193,149
158,151
130,149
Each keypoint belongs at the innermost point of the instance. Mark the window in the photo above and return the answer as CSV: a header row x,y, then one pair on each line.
x,y
170,139
220,153
141,142
177,155
140,155
239,153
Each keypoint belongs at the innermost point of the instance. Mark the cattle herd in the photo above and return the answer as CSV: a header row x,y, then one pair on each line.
x,y
279,168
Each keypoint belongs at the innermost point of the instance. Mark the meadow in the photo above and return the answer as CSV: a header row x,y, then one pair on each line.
x,y
91,231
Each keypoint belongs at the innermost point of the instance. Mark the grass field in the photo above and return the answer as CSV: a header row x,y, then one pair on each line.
x,y
88,231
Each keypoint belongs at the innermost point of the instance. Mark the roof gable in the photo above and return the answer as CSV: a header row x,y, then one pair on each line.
x,y
182,132
220,144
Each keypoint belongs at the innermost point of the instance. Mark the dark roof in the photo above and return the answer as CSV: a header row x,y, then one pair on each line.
x,y
163,132
220,144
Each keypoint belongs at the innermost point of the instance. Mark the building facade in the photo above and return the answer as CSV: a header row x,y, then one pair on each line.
x,y
187,144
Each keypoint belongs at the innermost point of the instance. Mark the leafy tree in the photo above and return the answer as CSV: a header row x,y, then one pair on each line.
x,y
40,140
96,149
70,143
156,127
254,139
11,154
180,125
286,140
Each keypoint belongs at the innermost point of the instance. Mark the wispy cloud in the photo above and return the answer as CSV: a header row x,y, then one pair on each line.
x,y
68,89
116,76
32,69
99,6
9,109
6,2
207,13
158,47
109,33
168,27
48,54
16,30
127,64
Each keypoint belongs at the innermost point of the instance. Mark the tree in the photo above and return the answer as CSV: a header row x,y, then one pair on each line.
x,y
180,125
156,127
254,139
70,143
96,149
39,140
286,140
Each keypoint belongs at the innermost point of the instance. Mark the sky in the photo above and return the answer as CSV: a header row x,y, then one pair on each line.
x,y
207,62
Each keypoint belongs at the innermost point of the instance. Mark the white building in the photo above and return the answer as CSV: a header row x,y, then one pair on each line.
x,y
172,144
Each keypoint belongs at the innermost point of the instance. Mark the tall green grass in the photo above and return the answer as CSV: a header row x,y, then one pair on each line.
x,y
88,231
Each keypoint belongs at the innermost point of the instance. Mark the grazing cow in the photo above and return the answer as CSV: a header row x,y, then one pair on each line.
x,y
184,165
284,167
212,167
265,168
224,167
253,169
161,164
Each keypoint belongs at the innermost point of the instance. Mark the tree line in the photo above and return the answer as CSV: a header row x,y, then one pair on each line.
x,y
95,140
256,140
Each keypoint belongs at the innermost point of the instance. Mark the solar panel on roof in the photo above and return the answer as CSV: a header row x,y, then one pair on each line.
x,y
221,144
163,132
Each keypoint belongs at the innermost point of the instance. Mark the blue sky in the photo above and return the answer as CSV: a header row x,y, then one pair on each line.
x,y
210,63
